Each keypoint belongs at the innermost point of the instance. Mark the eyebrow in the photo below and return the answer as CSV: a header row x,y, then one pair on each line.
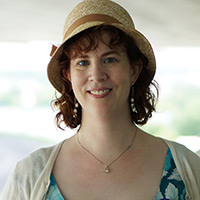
x,y
110,52
103,55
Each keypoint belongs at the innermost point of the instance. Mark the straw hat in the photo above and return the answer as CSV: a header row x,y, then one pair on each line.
x,y
91,13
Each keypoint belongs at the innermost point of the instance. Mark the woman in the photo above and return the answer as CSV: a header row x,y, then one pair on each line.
x,y
103,71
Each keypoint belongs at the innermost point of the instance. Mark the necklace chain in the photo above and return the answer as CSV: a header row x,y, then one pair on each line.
x,y
107,170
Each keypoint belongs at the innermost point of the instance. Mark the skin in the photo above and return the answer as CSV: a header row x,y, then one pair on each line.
x,y
101,81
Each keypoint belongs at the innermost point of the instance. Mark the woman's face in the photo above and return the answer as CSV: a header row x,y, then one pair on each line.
x,y
101,79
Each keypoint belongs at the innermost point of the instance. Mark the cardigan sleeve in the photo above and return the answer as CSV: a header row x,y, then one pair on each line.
x,y
15,187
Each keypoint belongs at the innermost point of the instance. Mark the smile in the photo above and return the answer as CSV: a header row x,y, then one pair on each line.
x,y
100,92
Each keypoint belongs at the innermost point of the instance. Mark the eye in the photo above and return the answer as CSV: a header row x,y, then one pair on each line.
x,y
83,63
110,60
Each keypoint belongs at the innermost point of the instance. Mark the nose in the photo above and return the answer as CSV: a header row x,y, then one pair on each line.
x,y
98,73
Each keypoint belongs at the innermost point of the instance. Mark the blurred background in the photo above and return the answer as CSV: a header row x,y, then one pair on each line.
x,y
28,28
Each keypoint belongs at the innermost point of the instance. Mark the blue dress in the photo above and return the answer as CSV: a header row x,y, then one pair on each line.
x,y
171,185
53,192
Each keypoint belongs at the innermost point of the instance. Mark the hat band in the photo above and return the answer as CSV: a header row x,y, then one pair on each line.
x,y
91,18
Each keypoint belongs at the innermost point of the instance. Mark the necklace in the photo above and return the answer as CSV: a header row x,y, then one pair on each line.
x,y
107,169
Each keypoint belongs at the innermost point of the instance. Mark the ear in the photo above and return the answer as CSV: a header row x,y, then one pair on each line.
x,y
66,73
136,70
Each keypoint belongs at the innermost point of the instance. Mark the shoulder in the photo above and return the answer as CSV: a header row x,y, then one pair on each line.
x,y
183,156
36,163
39,158
181,150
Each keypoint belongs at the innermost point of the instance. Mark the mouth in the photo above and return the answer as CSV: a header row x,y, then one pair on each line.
x,y
100,93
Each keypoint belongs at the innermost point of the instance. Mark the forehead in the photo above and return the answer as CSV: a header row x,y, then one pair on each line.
x,y
88,42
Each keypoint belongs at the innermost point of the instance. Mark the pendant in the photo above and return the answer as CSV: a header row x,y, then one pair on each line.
x,y
107,169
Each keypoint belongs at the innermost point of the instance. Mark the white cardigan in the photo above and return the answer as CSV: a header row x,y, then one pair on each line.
x,y
31,178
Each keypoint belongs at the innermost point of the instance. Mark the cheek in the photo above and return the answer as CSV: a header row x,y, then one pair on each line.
x,y
122,77
123,82
78,81
75,76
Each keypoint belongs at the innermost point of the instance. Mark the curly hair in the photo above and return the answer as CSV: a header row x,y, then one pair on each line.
x,y
144,98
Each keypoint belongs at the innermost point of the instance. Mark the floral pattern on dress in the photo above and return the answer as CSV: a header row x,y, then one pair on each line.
x,y
171,187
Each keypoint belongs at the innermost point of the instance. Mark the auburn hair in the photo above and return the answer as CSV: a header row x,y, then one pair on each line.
x,y
144,98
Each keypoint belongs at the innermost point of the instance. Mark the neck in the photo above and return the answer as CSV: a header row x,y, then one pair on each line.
x,y
107,137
